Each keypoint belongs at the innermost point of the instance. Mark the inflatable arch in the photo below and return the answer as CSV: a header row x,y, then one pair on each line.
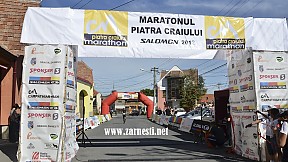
x,y
114,96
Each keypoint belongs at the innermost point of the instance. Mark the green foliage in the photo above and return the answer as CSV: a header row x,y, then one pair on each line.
x,y
147,92
192,90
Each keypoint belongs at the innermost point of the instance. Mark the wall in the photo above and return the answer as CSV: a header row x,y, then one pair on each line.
x,y
99,102
161,100
11,18
88,103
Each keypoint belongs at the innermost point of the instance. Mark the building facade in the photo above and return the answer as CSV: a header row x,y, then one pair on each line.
x,y
97,101
170,85
11,56
85,89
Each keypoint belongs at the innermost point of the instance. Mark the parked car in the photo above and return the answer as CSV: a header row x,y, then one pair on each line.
x,y
207,114
179,111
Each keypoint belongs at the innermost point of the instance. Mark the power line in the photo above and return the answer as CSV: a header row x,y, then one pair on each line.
x,y
121,5
214,69
127,86
242,4
77,3
86,3
225,7
232,7
253,8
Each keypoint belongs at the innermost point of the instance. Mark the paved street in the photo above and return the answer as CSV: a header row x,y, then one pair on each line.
x,y
176,146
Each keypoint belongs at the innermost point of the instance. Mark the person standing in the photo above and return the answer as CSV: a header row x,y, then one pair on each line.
x,y
14,123
124,115
283,142
271,143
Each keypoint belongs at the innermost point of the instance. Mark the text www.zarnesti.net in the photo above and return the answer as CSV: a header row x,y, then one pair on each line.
x,y
136,131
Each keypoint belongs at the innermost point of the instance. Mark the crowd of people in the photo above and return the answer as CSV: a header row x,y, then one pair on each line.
x,y
276,134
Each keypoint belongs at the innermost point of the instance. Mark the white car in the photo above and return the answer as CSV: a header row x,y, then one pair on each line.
x,y
179,111
207,115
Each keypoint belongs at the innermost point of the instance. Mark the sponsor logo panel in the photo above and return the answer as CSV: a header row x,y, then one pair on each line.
x,y
43,106
30,136
234,89
32,93
246,87
272,85
44,80
232,38
53,116
105,28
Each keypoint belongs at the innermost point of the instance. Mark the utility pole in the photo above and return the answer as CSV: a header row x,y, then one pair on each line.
x,y
154,69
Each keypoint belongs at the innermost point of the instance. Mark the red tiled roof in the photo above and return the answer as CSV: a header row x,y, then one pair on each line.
x,y
11,19
84,73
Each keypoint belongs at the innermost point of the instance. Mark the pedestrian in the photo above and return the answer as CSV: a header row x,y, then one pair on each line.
x,y
111,112
271,142
283,142
14,123
124,115
227,121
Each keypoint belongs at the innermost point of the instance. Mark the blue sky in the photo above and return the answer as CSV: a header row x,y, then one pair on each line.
x,y
124,74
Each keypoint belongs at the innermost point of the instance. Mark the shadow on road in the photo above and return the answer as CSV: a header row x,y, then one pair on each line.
x,y
10,150
167,147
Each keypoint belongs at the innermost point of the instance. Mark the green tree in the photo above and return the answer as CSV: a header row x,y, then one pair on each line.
x,y
147,92
192,90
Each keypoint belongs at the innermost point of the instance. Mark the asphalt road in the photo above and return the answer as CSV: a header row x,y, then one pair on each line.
x,y
176,146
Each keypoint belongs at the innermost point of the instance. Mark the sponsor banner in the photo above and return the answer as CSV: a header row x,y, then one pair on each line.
x,y
271,85
246,139
243,102
140,34
186,125
70,145
166,120
241,81
43,95
127,96
199,125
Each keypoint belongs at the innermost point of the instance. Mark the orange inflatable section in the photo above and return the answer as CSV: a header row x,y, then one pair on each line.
x,y
113,97
146,101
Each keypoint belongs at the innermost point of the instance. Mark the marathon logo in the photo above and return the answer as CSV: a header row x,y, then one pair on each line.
x,y
234,89
43,106
44,80
246,87
70,84
105,28
272,85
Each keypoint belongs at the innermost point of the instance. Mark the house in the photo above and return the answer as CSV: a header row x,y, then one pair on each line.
x,y
11,56
85,90
170,84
